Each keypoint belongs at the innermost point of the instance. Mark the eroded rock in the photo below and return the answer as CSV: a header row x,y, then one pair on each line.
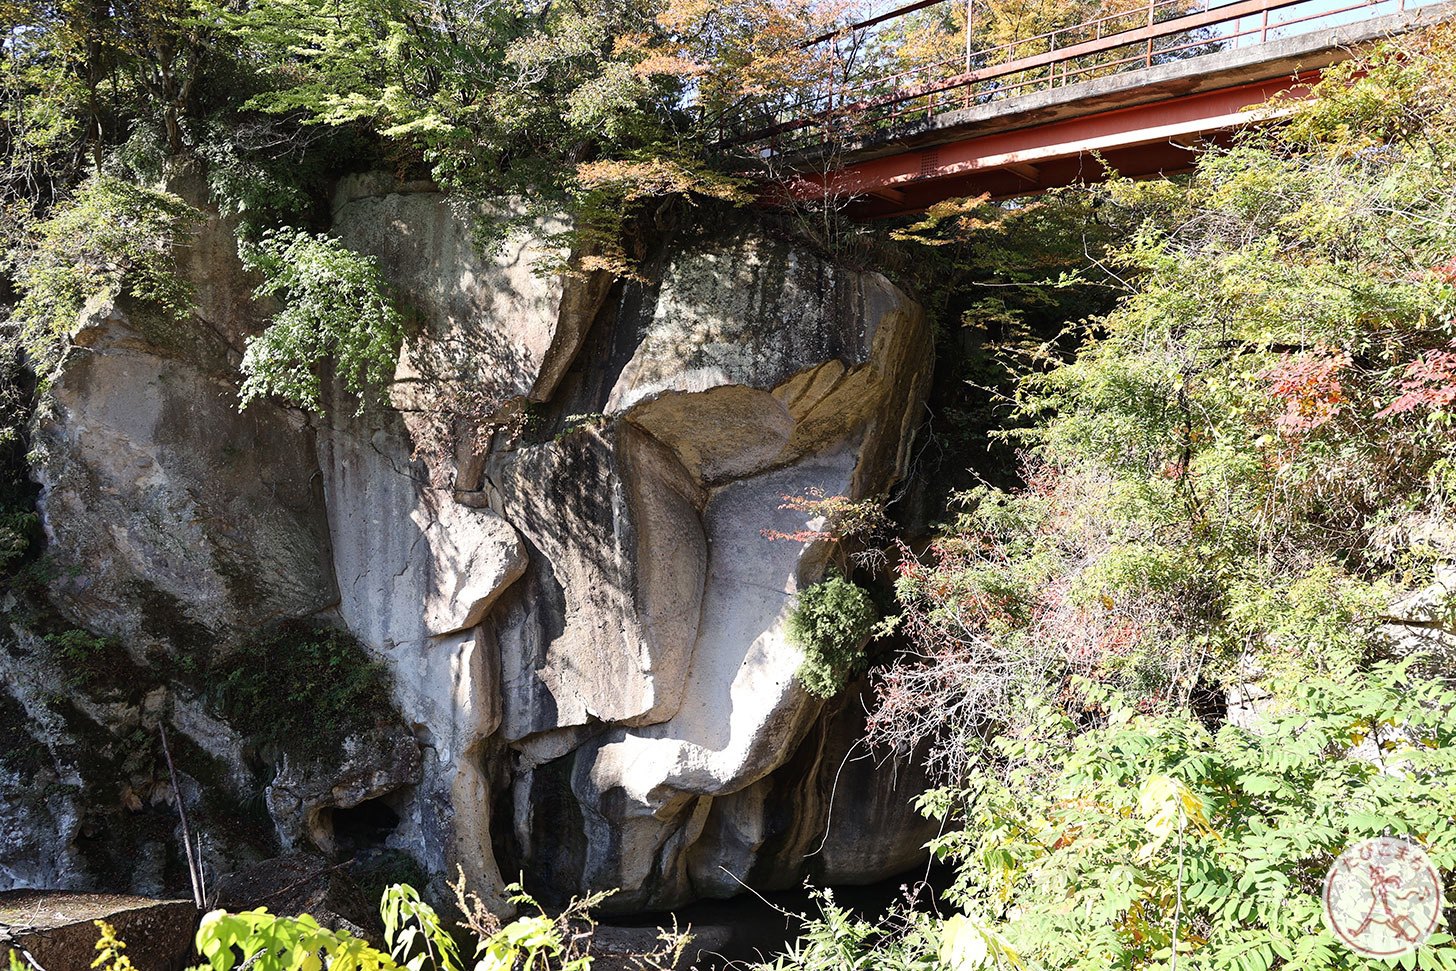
x,y
172,516
502,312
584,622
755,372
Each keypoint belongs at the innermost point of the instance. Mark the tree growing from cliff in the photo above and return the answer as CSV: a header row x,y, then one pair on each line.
x,y
830,622
111,238
337,314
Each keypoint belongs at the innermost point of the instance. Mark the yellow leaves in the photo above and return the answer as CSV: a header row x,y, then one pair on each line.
x,y
737,49
656,177
666,64
967,944
109,948
1167,805
953,219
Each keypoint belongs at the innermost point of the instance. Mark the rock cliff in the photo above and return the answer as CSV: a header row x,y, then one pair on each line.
x,y
580,617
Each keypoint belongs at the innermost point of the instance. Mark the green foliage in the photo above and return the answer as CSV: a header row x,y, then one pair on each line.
x,y
416,936
1237,483
336,310
1245,464
483,92
1153,842
416,939
112,237
88,659
262,941
18,529
264,174
1112,847
829,623
836,939
301,689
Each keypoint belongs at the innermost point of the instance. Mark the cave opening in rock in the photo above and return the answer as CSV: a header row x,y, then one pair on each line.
x,y
364,827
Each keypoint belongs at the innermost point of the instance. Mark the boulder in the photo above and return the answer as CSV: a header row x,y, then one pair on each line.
x,y
57,930
654,612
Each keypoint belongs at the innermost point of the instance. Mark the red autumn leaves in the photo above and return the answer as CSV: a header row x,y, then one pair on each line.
x,y
1311,387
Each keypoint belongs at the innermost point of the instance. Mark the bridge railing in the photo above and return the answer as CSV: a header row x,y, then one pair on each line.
x,y
872,91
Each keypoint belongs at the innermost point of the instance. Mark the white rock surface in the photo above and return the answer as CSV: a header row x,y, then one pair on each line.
x,y
505,323
585,632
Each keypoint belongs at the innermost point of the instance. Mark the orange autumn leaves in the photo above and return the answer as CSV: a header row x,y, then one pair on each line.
x,y
731,51
1309,387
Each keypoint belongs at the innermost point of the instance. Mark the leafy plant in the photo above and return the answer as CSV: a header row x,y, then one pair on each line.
x,y
88,659
1247,462
416,939
834,938
110,950
336,311
416,936
1152,836
111,237
264,942
829,623
301,689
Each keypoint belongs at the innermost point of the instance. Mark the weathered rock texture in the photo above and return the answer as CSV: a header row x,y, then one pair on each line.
x,y
583,621
167,509
56,930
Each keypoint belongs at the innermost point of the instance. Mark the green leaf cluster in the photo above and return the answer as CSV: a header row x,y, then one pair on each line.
x,y
829,623
300,689
416,938
336,312
1112,847
111,237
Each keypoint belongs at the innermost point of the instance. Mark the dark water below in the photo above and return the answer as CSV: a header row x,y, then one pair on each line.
x,y
759,925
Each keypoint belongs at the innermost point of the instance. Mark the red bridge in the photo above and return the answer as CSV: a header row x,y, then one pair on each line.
x,y
1139,91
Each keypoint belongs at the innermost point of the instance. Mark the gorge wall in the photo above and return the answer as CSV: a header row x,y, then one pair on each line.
x,y
581,620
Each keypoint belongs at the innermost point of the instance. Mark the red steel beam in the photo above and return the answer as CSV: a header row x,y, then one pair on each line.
x,y
1022,151
1234,11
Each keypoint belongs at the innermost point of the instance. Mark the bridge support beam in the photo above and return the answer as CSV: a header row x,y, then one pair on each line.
x,y
1139,140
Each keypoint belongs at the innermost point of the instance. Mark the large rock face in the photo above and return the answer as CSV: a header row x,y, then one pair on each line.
x,y
167,510
582,617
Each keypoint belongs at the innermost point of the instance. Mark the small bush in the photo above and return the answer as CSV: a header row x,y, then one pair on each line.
x,y
301,689
417,938
111,237
829,624
336,308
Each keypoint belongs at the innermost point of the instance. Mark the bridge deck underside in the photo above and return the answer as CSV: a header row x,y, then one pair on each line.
x,y
1139,123
1139,141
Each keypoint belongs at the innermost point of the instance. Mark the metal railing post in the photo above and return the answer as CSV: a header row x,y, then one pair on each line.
x,y
970,19
1148,60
